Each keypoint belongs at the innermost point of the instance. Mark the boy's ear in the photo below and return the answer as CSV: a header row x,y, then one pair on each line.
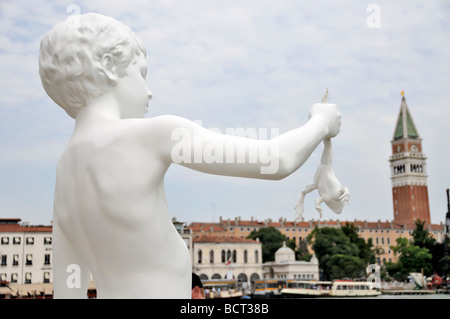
x,y
109,67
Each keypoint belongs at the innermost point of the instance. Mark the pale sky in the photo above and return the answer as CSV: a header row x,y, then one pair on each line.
x,y
246,64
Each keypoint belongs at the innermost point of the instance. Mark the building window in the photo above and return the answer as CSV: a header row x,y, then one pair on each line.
x,y
29,259
5,240
47,259
3,260
30,241
14,278
228,255
28,278
211,256
245,256
399,169
2,277
223,256
16,241
199,256
46,277
234,256
15,259
47,240
256,257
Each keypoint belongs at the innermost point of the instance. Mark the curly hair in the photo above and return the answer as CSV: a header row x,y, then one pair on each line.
x,y
70,58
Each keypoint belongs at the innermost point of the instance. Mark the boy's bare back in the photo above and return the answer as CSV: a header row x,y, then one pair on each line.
x,y
110,198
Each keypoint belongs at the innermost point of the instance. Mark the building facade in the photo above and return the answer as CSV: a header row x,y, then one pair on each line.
x,y
227,257
286,267
383,234
26,253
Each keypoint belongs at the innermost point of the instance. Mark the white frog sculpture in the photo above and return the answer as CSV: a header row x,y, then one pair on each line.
x,y
330,190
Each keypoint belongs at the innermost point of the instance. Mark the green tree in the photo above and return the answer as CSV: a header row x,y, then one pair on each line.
x,y
366,249
302,253
330,245
271,239
412,258
421,236
342,266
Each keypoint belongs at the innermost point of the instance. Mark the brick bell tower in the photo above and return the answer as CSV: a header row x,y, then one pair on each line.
x,y
408,171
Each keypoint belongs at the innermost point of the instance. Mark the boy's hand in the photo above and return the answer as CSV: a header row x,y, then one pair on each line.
x,y
330,114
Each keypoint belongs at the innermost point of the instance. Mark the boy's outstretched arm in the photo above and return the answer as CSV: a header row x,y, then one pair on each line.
x,y
186,143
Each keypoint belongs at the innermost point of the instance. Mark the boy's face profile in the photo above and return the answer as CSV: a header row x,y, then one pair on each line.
x,y
131,91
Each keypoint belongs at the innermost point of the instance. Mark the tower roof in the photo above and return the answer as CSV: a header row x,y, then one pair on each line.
x,y
405,127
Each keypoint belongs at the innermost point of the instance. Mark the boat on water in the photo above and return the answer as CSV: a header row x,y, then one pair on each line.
x,y
336,288
267,288
222,288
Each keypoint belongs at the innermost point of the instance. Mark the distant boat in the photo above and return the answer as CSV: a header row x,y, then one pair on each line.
x,y
222,288
267,288
337,288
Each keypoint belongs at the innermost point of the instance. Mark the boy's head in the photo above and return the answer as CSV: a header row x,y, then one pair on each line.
x,y
70,58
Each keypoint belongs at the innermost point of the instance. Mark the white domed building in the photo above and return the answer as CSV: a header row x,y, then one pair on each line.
x,y
286,267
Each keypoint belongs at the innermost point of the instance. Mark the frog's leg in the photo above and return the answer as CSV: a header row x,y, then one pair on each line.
x,y
299,207
318,208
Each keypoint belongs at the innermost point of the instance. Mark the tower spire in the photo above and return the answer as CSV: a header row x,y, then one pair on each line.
x,y
405,127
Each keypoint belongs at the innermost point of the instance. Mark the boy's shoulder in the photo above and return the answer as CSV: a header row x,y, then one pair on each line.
x,y
152,130
157,129
162,124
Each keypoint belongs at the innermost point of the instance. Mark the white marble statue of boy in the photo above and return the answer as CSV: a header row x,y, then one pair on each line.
x,y
110,212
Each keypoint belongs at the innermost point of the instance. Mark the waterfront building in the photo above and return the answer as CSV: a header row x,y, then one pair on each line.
x,y
382,233
227,257
25,252
285,267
